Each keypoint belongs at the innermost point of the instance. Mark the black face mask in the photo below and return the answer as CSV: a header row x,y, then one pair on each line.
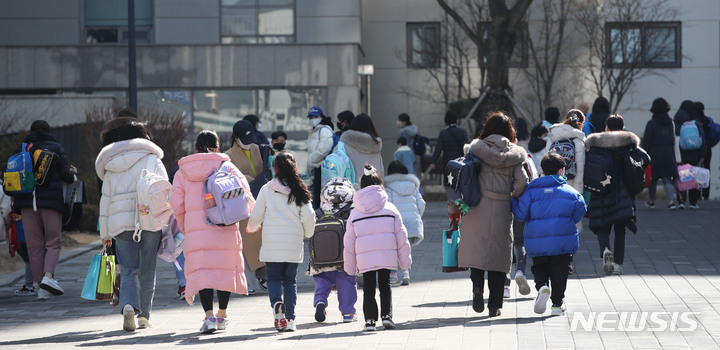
x,y
339,126
279,146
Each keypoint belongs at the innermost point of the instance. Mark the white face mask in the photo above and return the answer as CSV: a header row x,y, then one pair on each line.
x,y
315,121
242,145
259,127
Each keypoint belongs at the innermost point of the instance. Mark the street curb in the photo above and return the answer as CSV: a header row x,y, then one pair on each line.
x,y
16,276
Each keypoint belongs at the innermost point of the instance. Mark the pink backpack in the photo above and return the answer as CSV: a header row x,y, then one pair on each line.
x,y
225,199
687,180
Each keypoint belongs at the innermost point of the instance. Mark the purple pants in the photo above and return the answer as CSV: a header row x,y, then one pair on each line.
x,y
346,289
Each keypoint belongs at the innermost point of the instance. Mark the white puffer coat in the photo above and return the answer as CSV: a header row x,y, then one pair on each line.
x,y
284,224
559,131
119,165
404,192
320,144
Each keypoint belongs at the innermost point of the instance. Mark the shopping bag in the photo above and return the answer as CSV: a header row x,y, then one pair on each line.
x,y
451,242
687,180
648,176
106,278
702,176
89,290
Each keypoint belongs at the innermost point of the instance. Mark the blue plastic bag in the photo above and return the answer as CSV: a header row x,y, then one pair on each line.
x,y
451,241
89,290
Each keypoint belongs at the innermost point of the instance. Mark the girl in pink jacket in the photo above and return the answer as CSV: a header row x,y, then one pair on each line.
x,y
213,254
375,242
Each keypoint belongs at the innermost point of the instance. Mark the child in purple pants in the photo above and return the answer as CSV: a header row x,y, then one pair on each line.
x,y
335,199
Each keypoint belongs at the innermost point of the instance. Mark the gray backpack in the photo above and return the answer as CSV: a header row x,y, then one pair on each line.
x,y
326,244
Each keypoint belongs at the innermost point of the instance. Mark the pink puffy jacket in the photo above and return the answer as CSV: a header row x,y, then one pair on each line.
x,y
213,254
375,237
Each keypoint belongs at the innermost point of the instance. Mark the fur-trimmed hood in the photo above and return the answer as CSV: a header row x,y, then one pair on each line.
x,y
361,141
115,123
497,151
122,155
612,139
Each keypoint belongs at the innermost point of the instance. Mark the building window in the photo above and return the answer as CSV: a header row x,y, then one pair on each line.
x,y
105,22
423,45
257,21
643,44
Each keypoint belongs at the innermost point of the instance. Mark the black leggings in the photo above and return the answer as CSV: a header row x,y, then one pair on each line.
x,y
206,298
496,284
370,308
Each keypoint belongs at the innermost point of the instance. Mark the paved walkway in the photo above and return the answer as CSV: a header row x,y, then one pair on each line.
x,y
671,268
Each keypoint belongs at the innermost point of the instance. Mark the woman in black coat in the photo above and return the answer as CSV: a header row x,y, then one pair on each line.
x,y
659,141
451,141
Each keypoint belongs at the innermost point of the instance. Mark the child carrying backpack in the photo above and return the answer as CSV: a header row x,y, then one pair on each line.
x,y
375,242
326,250
213,251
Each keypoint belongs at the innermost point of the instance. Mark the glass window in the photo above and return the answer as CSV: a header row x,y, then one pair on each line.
x,y
423,45
106,21
257,22
644,44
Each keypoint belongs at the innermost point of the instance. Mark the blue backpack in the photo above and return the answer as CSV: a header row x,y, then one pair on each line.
x,y
690,139
19,177
461,179
337,164
565,147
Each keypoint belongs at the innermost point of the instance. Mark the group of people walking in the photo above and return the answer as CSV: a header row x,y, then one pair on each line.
x,y
536,186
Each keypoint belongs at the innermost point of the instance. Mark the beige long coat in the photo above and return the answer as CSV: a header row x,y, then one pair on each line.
x,y
487,236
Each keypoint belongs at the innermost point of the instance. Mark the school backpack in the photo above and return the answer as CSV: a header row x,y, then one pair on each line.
x,y
461,179
690,139
565,147
713,135
172,242
19,177
152,200
225,199
326,245
599,172
42,163
633,172
420,145
337,164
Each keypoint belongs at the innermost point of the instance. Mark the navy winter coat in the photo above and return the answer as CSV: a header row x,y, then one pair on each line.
x,y
550,209
50,195
450,143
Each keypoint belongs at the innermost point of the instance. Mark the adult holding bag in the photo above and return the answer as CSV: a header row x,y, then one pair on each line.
x,y
120,165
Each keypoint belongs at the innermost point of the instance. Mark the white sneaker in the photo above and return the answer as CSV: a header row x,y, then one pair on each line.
x,y
129,318
521,282
279,316
542,299
290,326
42,294
506,292
221,323
558,310
209,325
406,278
51,286
394,280
143,322
608,261
617,269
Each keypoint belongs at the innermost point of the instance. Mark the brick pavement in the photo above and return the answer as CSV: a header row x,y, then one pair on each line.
x,y
671,266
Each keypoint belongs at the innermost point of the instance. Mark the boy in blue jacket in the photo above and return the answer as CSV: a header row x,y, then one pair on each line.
x,y
550,209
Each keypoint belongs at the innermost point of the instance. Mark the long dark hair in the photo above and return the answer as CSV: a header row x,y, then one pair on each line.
x,y
600,112
521,128
363,123
370,177
134,130
498,123
206,141
286,172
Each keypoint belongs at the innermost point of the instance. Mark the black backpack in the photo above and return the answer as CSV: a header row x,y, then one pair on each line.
x,y
599,172
633,172
420,145
326,245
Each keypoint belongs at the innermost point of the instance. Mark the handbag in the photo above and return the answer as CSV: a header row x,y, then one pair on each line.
x,y
648,176
106,278
702,176
89,290
451,242
686,180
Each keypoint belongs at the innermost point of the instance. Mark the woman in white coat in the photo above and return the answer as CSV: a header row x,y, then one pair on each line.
x,y
403,191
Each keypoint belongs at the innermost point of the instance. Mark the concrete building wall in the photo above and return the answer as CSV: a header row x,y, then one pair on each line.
x,y
327,21
187,22
38,22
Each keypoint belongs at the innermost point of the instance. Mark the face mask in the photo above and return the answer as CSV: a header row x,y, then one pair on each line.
x,y
315,121
242,145
259,127
399,124
279,146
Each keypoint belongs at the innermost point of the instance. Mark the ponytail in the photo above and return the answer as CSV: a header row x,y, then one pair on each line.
x,y
286,172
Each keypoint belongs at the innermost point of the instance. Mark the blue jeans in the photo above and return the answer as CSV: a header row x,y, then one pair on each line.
x,y
180,274
282,282
137,262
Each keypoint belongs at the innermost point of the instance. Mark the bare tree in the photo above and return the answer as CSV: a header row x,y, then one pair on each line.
x,y
619,53
546,43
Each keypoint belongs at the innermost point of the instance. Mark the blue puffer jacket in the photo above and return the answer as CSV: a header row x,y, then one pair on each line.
x,y
550,208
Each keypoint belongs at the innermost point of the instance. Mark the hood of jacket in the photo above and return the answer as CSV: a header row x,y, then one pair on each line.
x,y
662,118
404,184
547,181
559,131
197,167
277,186
410,130
370,199
403,148
536,145
497,151
122,155
361,141
612,139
